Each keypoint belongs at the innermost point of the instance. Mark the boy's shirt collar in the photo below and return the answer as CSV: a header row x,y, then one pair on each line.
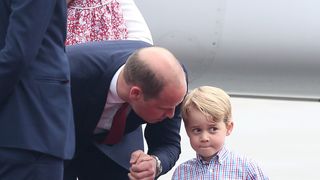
x,y
220,157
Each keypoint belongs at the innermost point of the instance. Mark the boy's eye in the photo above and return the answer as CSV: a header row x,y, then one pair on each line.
x,y
196,130
213,129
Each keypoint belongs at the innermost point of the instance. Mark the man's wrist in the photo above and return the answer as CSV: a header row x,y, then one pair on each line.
x,y
158,165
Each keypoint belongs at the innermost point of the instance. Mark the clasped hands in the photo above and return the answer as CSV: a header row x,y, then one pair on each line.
x,y
143,166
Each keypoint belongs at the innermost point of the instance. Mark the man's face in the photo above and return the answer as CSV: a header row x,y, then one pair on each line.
x,y
156,110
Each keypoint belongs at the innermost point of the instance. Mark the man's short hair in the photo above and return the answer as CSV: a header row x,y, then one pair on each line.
x,y
138,72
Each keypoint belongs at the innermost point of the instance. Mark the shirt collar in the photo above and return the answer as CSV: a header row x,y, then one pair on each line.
x,y
220,157
113,96
222,154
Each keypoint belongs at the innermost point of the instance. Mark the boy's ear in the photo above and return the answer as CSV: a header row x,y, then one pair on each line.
x,y
229,127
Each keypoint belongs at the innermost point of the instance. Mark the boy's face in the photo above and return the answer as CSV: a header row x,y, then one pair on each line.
x,y
206,137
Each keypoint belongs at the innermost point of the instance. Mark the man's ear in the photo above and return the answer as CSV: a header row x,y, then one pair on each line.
x,y
135,93
229,127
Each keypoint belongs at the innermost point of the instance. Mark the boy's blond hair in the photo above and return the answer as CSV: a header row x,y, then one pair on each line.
x,y
213,102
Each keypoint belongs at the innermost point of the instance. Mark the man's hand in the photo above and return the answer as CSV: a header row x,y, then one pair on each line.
x,y
143,166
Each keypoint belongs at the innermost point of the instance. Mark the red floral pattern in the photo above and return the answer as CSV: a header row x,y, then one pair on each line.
x,y
95,20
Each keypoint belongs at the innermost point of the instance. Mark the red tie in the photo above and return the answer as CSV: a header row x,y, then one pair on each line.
x,y
118,125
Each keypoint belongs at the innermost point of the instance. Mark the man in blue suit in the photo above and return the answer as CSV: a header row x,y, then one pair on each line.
x,y
106,74
36,119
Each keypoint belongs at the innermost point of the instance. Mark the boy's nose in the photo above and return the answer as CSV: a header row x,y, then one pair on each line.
x,y
204,136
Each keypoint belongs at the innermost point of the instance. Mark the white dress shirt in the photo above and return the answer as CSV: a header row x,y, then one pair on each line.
x,y
113,103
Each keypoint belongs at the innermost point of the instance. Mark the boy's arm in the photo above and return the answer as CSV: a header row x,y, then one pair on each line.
x,y
255,172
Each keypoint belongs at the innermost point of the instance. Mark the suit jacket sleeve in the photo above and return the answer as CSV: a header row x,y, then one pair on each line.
x,y
163,140
24,27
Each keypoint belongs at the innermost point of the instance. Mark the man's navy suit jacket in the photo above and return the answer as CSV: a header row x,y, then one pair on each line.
x,y
92,67
35,96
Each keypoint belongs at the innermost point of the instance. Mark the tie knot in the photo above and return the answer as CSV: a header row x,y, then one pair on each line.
x,y
123,107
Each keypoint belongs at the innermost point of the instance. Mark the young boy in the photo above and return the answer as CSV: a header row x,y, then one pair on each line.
x,y
206,112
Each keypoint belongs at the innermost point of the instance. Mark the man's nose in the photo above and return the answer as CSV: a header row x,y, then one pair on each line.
x,y
170,113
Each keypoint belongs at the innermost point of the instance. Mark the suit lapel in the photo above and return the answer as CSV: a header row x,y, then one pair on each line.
x,y
121,152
